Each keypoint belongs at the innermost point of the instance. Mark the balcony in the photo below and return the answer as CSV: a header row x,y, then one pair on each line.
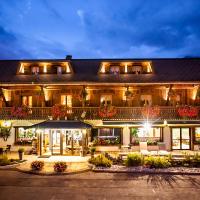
x,y
93,113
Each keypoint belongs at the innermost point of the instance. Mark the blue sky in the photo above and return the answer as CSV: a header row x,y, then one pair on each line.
x,y
33,29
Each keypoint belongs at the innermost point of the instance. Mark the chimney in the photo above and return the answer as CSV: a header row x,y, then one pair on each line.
x,y
68,57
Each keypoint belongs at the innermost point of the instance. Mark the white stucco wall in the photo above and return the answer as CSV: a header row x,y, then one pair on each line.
x,y
126,136
167,137
11,139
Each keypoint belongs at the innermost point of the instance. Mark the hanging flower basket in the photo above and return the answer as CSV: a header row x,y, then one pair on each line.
x,y
187,111
150,112
20,112
107,111
58,111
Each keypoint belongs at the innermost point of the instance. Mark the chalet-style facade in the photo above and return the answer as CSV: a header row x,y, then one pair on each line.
x,y
109,102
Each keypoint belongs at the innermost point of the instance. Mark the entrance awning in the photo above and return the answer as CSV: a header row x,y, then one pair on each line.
x,y
61,124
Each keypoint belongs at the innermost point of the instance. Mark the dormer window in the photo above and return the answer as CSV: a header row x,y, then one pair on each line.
x,y
137,69
115,70
35,70
59,70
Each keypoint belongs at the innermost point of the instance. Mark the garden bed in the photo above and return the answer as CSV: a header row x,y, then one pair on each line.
x,y
145,170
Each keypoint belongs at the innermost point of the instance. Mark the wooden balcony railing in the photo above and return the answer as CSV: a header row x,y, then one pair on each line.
x,y
92,113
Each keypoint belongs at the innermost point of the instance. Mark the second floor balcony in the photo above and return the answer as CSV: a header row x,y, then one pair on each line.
x,y
98,113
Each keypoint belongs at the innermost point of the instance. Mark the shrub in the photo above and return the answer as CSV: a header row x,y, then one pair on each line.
x,y
20,150
187,159
60,166
196,160
37,165
101,161
134,159
4,160
157,162
92,150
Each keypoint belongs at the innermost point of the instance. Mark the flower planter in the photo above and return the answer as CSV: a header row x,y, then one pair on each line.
x,y
152,147
107,148
21,155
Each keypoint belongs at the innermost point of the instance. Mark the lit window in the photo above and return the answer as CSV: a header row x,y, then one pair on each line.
x,y
137,69
115,70
27,101
66,100
106,100
146,100
35,70
59,70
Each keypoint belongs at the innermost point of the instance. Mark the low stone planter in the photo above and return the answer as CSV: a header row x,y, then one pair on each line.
x,y
12,165
152,147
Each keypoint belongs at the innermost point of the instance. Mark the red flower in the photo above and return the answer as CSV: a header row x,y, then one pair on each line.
x,y
187,111
107,111
58,111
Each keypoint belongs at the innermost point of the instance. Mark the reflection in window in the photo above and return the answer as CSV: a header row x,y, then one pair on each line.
x,y
24,136
197,134
152,136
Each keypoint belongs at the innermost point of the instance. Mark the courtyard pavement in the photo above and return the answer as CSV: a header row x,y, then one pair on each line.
x,y
97,186
75,164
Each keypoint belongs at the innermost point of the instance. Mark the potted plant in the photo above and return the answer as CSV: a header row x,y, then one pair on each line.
x,y
92,151
21,152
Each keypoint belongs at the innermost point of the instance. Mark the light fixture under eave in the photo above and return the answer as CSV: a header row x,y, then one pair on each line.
x,y
45,68
21,69
147,126
67,68
126,68
165,123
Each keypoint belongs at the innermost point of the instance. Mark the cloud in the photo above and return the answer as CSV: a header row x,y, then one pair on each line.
x,y
139,28
80,13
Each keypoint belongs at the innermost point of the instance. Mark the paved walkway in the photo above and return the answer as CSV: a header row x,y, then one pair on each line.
x,y
74,163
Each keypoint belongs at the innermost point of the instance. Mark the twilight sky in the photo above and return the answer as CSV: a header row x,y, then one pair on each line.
x,y
33,29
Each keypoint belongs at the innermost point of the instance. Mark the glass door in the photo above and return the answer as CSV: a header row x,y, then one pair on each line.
x,y
185,138
176,138
181,138
56,142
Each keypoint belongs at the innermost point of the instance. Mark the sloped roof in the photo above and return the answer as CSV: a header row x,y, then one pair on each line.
x,y
61,124
86,70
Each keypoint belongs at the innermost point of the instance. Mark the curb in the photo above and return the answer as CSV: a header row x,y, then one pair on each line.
x,y
145,172
52,173
12,166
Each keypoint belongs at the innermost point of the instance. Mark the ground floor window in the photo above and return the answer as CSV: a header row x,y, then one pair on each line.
x,y
24,136
197,135
152,136
181,138
106,136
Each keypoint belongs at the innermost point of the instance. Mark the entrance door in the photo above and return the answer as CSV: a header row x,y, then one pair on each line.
x,y
56,142
181,138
